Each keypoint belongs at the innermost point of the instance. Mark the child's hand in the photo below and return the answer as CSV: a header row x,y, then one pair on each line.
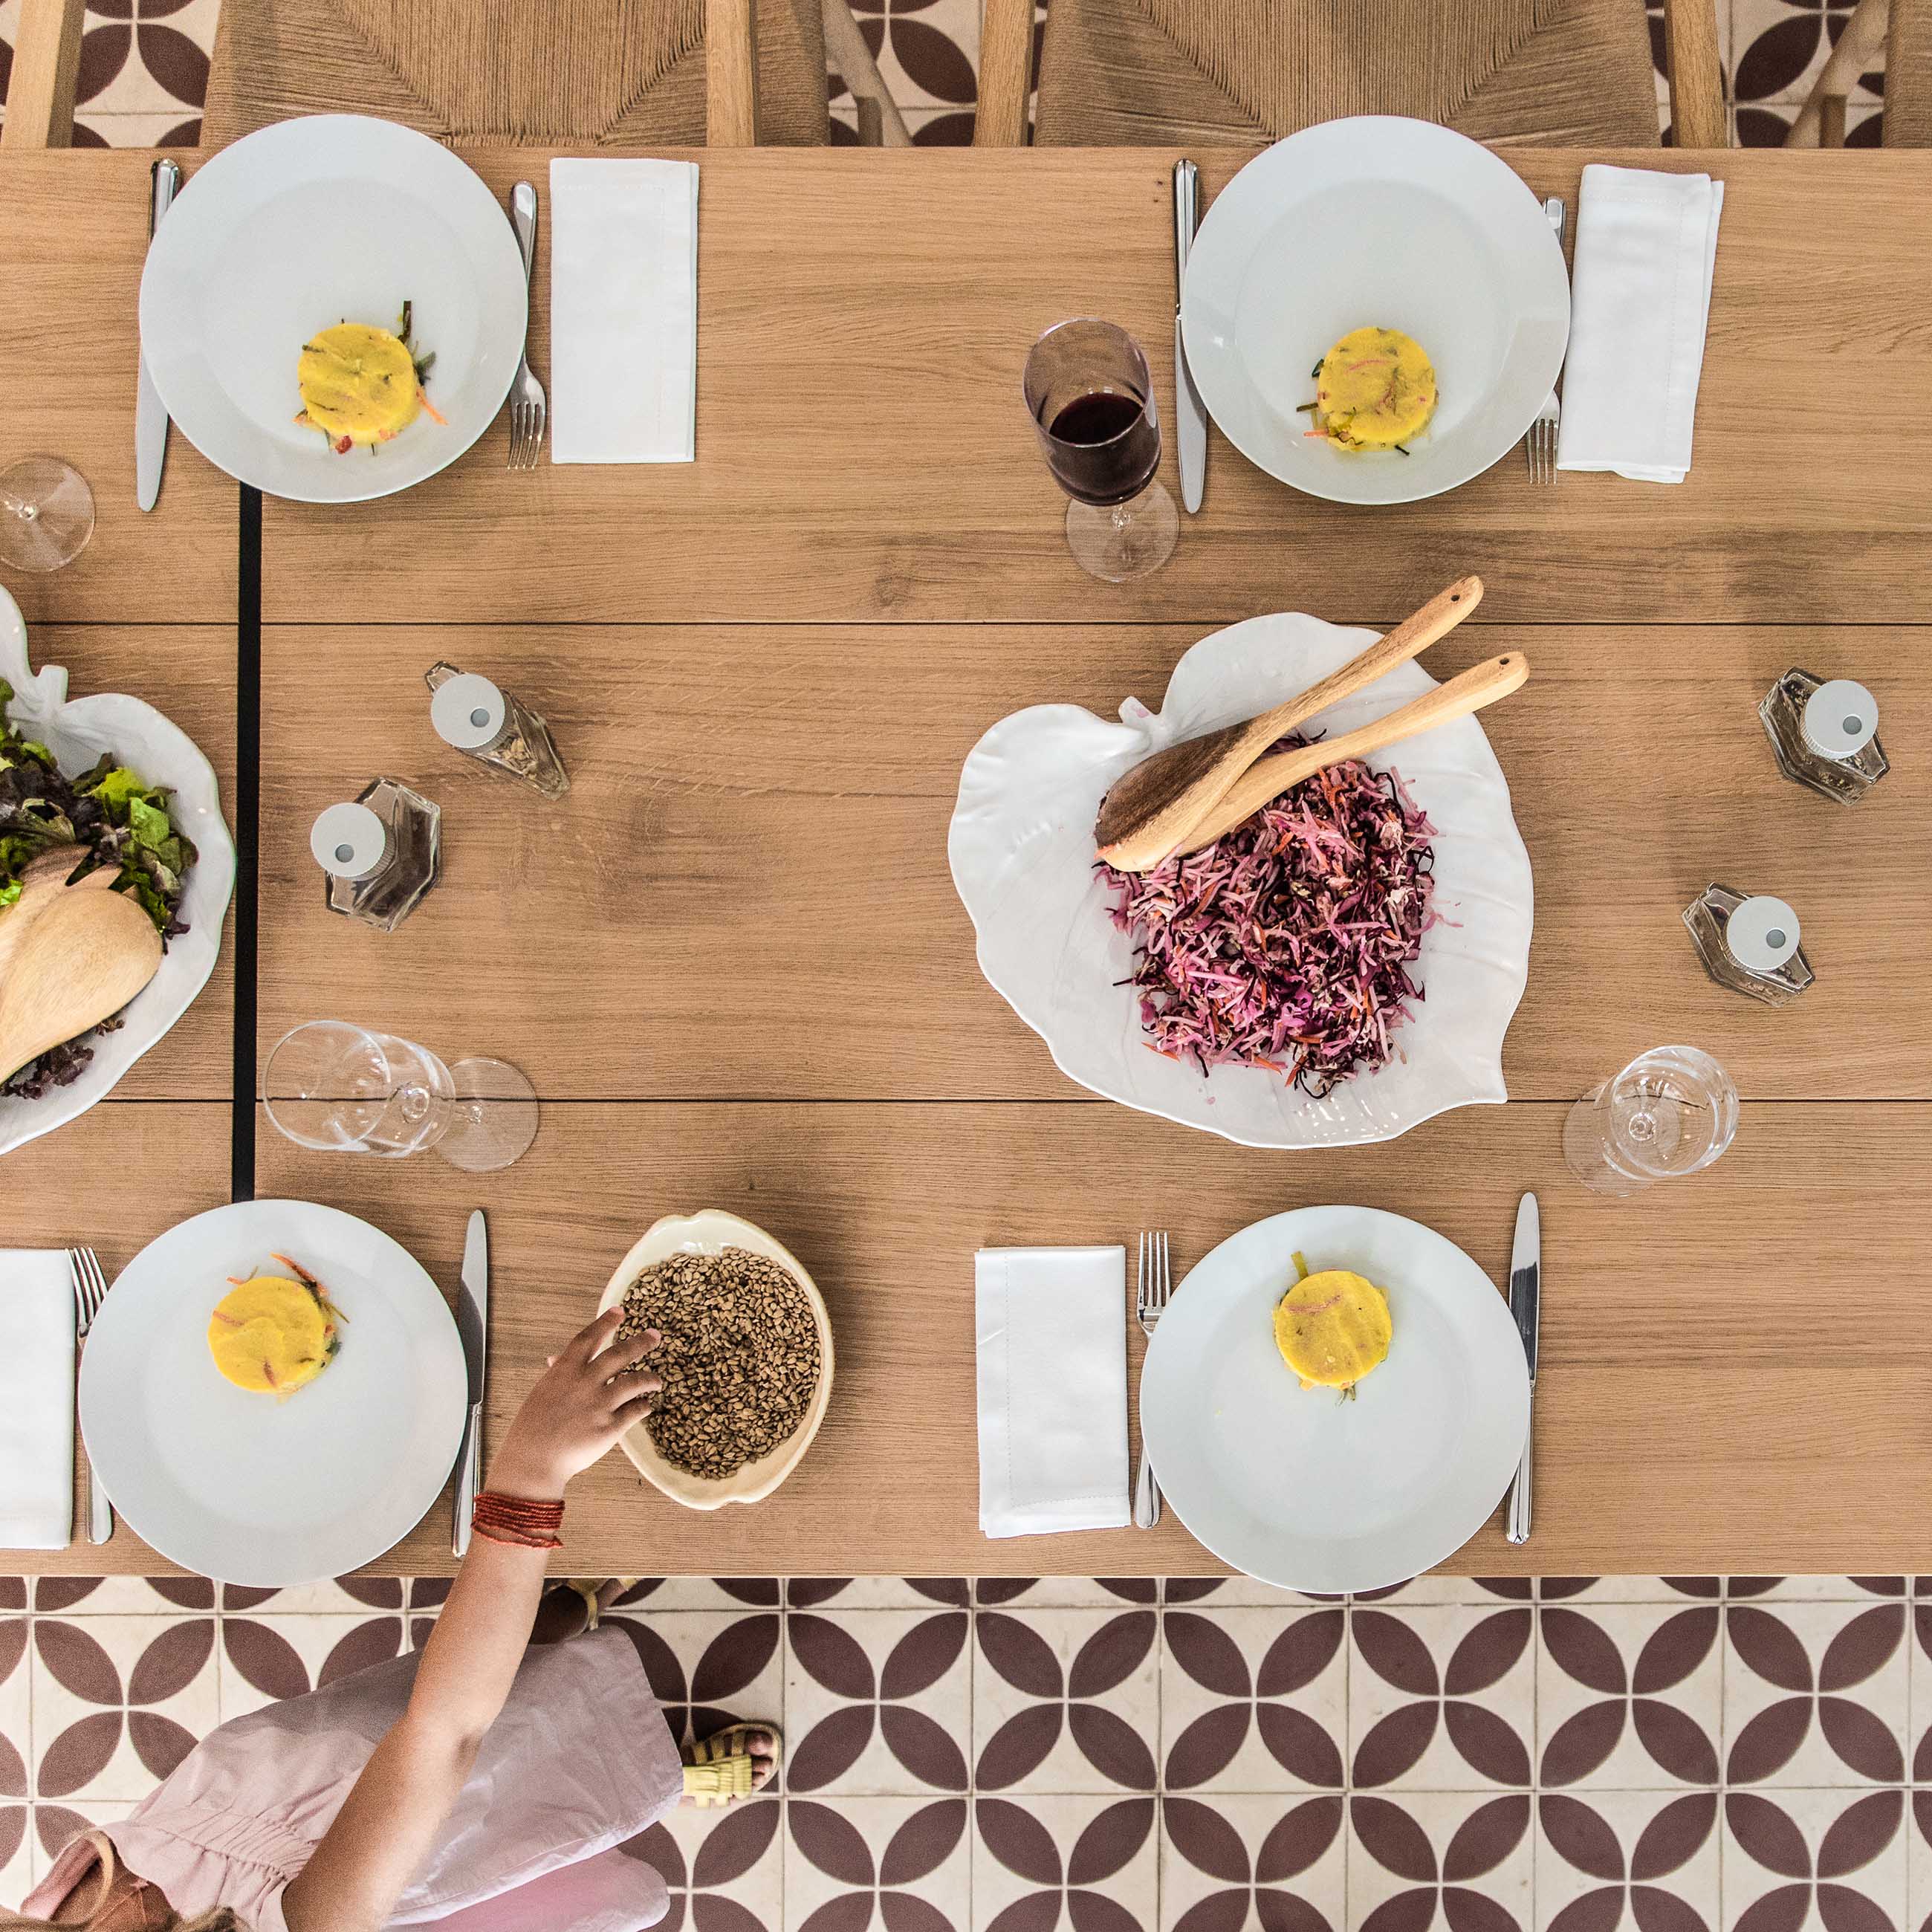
x,y
588,1396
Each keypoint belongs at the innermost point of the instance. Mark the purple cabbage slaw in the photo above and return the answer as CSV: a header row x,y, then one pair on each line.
x,y
1286,944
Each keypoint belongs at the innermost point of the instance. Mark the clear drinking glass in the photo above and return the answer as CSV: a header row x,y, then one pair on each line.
x,y
47,513
342,1089
1670,1112
1090,395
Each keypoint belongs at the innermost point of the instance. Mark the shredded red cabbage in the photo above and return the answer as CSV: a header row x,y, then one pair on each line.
x,y
1286,944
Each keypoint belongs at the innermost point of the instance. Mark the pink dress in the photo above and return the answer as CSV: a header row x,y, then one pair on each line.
x,y
580,1759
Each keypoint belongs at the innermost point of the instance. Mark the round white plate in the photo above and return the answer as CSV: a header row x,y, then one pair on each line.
x,y
239,1487
1021,848
1297,1486
1384,222
330,218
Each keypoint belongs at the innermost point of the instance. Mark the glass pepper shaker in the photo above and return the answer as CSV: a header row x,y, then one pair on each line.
x,y
381,854
1749,944
498,730
1825,732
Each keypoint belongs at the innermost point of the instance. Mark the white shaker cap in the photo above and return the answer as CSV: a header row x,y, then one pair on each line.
x,y
1762,934
348,841
467,711
1840,718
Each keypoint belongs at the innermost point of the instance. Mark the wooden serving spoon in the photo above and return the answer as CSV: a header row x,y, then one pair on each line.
x,y
1268,779
1149,810
70,956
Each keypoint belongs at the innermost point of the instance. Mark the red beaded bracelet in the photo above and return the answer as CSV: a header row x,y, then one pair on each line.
x,y
517,1521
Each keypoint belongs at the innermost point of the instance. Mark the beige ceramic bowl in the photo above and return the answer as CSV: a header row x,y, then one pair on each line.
x,y
710,1232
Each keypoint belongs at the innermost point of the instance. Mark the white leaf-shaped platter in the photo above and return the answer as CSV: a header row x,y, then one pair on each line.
x,y
77,730
1022,848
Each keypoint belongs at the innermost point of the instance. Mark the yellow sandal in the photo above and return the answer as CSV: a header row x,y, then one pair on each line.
x,y
591,1589
716,1774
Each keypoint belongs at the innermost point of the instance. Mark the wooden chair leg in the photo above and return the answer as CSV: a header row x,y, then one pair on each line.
x,y
730,73
46,56
1005,73
1697,118
850,58
1857,47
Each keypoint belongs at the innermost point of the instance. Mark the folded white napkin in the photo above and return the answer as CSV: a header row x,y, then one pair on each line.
x,y
1646,246
623,311
1051,1328
36,1400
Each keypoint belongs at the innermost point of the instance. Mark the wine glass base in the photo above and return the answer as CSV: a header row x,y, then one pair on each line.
x,y
46,514
494,1116
1126,541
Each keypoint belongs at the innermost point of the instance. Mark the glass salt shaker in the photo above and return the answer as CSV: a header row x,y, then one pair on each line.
x,y
382,853
488,724
1749,944
1825,732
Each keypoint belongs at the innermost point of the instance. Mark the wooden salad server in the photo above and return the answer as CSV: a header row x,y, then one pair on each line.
x,y
1268,779
70,956
1149,810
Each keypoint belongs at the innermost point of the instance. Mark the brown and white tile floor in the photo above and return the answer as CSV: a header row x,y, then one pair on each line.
x,y
1609,1754
144,67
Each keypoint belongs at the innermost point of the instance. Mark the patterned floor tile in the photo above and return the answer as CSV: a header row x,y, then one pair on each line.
x,y
118,1701
267,1657
1468,1855
898,1863
1440,1699
702,1593
1273,1862
1254,1700
724,1874
1628,1861
17,1754
350,1596
1815,1693
1629,1695
1815,1589
1918,1860
1805,1861
878,1702
1919,1701
16,1853
1066,1700
1783,46
121,1596
709,1669
55,1826
840,1594
1064,1593
1038,1863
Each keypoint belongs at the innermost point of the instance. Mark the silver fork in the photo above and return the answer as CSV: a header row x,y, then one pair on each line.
x,y
90,1290
1154,1283
530,407
1540,446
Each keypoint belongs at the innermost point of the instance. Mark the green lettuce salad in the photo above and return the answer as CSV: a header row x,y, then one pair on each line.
x,y
117,821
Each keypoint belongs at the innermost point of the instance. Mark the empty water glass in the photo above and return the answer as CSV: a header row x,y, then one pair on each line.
x,y
343,1089
1670,1112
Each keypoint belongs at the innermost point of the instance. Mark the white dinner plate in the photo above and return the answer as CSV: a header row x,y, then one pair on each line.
x,y
239,1487
1384,222
1021,848
1298,1486
328,218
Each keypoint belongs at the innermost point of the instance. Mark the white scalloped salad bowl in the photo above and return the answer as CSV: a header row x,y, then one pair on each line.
x,y
1022,848
77,730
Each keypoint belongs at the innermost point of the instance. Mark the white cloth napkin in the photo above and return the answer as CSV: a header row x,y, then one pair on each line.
x,y
1051,1330
1646,247
623,311
36,1400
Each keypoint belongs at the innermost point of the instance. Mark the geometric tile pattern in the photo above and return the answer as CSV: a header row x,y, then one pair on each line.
x,y
1116,1754
144,67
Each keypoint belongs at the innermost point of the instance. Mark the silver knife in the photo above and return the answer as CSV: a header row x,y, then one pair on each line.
x,y
151,416
1190,419
1526,1305
472,1323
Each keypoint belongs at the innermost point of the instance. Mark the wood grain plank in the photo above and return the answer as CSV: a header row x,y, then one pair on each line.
x,y
188,675
863,454
71,249
124,1172
746,893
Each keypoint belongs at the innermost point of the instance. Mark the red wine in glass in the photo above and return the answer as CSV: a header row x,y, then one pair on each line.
x,y
1103,447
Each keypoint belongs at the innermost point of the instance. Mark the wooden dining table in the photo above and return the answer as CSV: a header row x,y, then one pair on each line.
x,y
732,960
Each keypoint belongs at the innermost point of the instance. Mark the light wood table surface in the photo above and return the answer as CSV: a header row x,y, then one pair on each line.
x,y
733,963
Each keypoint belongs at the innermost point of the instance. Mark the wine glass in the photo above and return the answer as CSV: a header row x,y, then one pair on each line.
x,y
1090,395
46,514
1671,1111
342,1089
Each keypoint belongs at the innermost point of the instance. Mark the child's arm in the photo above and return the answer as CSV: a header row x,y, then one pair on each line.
x,y
390,1820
